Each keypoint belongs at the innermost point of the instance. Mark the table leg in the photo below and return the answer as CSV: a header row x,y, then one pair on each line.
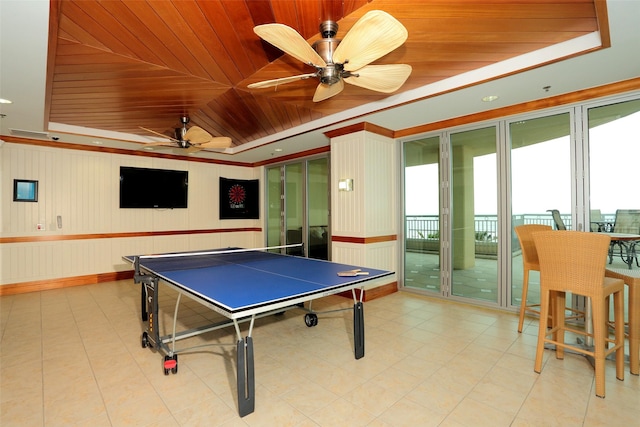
x,y
358,329
245,376
143,302
630,257
151,292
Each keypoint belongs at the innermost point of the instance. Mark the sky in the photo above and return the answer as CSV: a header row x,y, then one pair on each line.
x,y
541,175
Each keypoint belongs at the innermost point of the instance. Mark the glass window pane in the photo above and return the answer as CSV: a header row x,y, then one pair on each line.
x,y
474,215
274,207
294,206
614,151
318,194
540,181
422,207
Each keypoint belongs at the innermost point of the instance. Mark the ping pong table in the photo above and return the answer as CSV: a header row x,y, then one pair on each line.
x,y
243,285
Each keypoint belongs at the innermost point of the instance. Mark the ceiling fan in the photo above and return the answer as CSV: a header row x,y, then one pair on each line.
x,y
337,61
193,139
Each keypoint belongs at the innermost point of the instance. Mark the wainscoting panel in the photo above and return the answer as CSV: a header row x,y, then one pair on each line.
x,y
82,188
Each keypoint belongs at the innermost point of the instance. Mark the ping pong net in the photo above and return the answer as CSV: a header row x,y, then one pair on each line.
x,y
204,259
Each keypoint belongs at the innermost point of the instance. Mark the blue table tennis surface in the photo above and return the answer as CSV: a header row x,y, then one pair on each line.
x,y
239,281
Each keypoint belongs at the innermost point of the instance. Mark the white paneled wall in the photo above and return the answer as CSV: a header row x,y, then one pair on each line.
x,y
371,208
375,255
370,211
380,178
82,187
347,211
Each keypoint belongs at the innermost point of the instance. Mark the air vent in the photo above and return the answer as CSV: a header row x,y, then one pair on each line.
x,y
29,133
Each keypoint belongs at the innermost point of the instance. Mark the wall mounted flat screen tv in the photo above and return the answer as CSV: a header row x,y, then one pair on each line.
x,y
153,188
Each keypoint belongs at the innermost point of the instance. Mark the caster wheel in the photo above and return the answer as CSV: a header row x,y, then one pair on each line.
x,y
144,341
310,319
171,364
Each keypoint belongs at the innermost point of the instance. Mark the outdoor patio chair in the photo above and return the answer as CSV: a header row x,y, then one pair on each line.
x,y
574,261
557,219
627,222
598,223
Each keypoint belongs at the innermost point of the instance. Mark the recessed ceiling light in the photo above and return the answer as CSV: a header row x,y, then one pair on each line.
x,y
277,150
490,98
5,101
97,142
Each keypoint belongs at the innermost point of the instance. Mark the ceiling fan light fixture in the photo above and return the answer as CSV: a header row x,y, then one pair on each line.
x,y
331,74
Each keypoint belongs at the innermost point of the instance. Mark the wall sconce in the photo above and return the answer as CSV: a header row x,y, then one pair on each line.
x,y
345,184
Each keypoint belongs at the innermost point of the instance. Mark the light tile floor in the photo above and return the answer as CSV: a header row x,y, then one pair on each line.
x,y
73,357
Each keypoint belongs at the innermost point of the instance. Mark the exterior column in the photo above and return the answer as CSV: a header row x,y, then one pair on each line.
x,y
463,221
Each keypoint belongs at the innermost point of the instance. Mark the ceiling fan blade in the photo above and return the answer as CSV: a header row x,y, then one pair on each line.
x,y
159,134
193,149
197,135
289,41
381,78
281,81
325,91
216,142
373,36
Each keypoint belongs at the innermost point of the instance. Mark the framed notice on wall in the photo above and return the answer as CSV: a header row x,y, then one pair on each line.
x,y
25,190
239,198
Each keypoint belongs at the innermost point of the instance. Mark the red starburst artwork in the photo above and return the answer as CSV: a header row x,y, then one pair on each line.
x,y
239,198
237,194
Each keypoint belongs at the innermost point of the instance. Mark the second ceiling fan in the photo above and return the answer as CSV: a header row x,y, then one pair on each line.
x,y
337,61
193,139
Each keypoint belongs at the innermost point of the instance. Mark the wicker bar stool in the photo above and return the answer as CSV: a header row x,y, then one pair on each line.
x,y
574,261
529,262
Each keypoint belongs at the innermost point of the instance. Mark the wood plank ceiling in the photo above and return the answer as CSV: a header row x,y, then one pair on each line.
x,y
117,65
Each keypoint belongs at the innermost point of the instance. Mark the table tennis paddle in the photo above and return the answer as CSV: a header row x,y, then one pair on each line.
x,y
352,273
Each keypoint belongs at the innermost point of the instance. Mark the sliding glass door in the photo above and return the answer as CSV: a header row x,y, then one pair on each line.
x,y
453,205
466,190
298,207
474,214
422,214
614,154
318,208
540,181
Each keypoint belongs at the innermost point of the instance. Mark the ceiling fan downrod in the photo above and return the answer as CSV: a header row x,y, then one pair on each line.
x,y
181,132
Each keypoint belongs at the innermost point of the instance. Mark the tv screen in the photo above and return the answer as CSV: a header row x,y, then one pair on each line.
x,y
153,188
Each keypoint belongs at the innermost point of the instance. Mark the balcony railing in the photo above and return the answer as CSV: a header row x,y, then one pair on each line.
x,y
423,231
